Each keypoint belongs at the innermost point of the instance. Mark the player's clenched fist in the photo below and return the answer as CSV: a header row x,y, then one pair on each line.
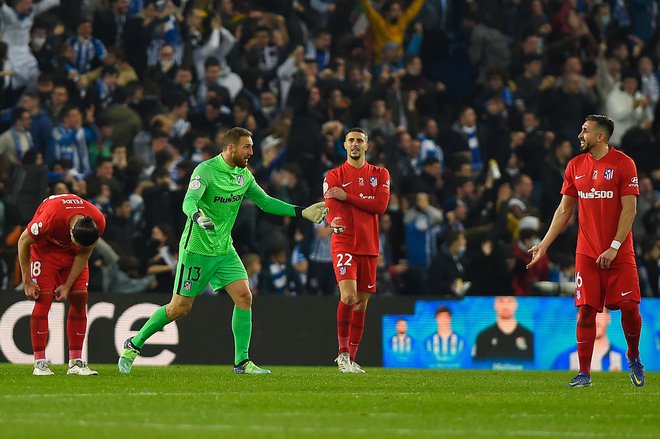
x,y
316,212
337,226
204,222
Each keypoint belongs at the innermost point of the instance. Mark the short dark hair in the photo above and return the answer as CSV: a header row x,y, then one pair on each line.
x,y
211,61
66,110
109,70
233,135
101,161
85,231
388,5
603,123
17,114
442,309
358,130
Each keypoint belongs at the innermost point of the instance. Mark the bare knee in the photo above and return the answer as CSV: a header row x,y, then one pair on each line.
x,y
244,299
360,304
349,298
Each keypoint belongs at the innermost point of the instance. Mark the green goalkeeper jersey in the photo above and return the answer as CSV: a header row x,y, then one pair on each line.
x,y
217,190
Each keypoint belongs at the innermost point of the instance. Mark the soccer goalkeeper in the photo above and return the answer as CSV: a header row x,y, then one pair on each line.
x,y
206,253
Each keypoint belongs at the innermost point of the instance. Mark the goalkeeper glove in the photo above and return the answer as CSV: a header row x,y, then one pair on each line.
x,y
315,213
204,222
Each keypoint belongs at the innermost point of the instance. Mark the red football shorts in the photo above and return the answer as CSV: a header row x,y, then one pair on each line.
x,y
361,268
50,269
597,287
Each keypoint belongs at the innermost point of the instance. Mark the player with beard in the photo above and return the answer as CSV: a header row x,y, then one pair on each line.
x,y
605,185
206,252
356,193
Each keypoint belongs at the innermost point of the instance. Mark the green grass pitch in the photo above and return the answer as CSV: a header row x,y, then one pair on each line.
x,y
318,402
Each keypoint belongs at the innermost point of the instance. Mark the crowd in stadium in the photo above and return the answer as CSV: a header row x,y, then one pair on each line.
x,y
473,107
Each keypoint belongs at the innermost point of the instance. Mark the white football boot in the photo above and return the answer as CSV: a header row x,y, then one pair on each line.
x,y
41,368
356,368
343,361
79,367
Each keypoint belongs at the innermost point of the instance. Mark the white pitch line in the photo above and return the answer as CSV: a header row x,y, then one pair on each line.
x,y
312,430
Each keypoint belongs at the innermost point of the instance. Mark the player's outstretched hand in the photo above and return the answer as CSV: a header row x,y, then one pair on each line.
x,y
336,225
316,212
204,222
537,252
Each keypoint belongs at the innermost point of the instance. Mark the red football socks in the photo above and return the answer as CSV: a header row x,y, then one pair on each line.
x,y
76,324
39,325
343,324
631,321
355,333
586,336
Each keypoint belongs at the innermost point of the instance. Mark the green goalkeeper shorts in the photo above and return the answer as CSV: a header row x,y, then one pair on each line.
x,y
195,271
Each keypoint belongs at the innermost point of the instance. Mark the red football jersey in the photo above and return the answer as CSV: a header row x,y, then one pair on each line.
x,y
599,185
50,224
368,193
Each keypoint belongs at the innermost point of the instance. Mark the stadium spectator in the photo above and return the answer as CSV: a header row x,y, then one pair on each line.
x,y
71,139
278,275
628,107
447,272
162,252
421,223
16,22
390,24
17,140
87,49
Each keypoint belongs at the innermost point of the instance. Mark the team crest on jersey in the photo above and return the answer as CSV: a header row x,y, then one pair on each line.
x,y
594,175
194,183
187,285
373,181
608,174
578,294
34,228
239,180
361,181
342,270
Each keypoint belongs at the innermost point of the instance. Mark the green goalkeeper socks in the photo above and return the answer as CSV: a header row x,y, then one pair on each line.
x,y
241,326
155,323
